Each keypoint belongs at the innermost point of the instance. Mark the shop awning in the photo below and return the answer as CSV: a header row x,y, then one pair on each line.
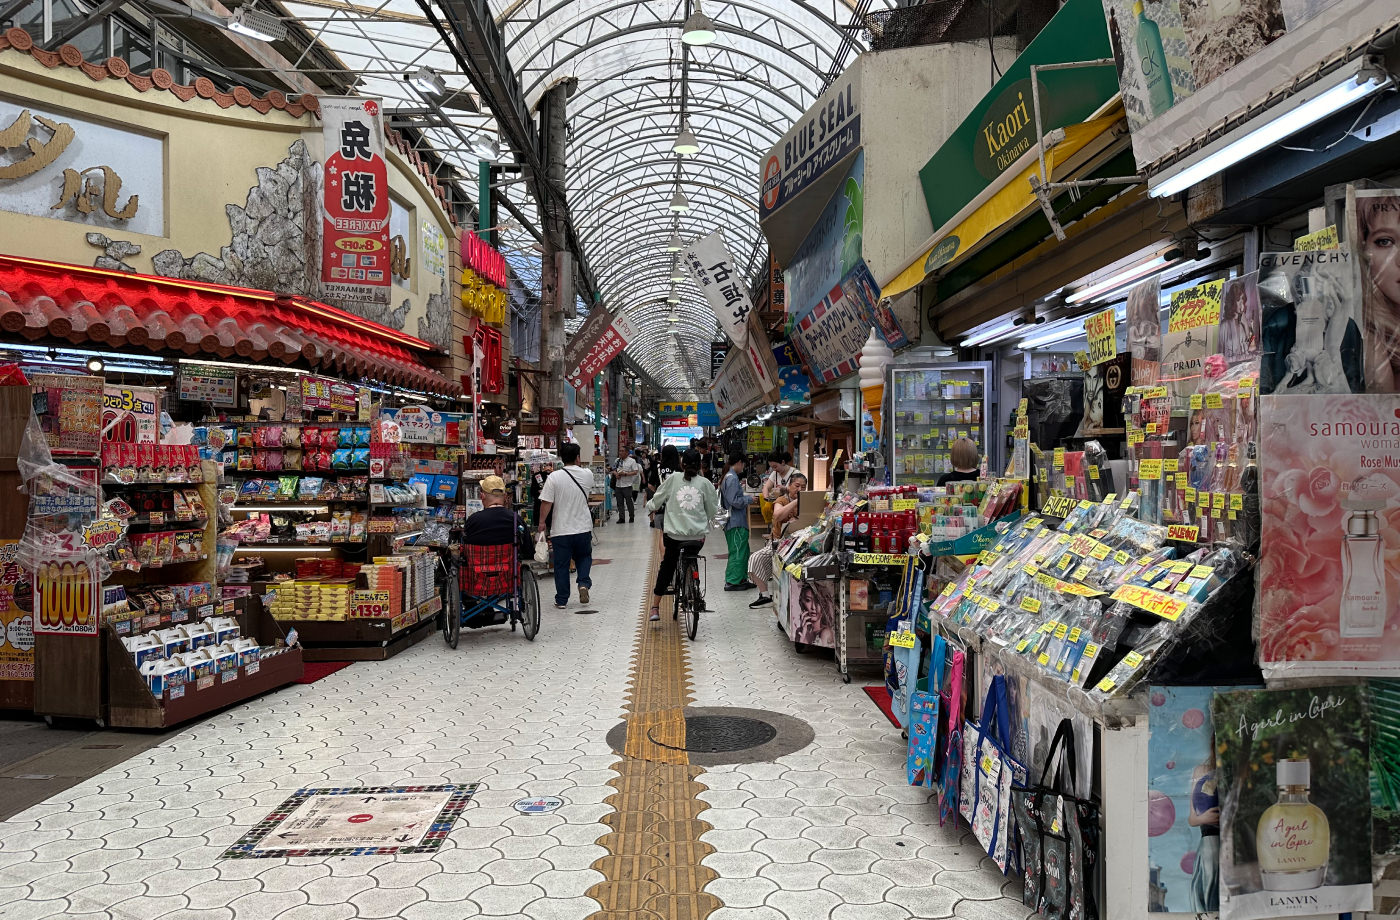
x,y
1008,199
93,306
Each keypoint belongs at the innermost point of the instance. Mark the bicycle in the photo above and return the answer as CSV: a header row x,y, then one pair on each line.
x,y
688,587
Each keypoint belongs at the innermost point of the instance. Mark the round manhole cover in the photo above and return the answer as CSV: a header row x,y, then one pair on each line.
x,y
720,734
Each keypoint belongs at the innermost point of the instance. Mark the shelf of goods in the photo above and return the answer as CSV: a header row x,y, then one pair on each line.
x,y
169,647
931,407
352,612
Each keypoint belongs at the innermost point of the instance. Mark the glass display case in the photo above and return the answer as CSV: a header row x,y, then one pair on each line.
x,y
931,406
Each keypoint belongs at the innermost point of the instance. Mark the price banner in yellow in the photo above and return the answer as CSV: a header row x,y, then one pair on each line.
x,y
1103,341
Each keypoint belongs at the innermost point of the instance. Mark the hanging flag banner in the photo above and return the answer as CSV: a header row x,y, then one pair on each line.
x,y
714,272
355,202
584,339
612,333
831,336
747,378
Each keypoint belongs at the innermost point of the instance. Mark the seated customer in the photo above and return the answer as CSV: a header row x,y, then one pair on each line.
x,y
496,524
965,462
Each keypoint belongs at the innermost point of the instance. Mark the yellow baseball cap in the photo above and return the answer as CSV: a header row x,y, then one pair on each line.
x,y
493,484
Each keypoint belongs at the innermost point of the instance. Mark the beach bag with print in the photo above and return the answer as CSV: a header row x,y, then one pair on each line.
x,y
951,740
993,771
923,721
1059,835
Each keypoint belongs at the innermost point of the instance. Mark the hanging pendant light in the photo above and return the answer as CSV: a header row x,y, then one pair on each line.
x,y
677,273
679,203
686,144
698,29
675,245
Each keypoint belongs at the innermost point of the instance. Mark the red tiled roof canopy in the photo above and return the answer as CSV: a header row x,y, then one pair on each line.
x,y
85,305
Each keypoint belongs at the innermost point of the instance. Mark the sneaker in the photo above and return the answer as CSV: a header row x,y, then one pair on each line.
x,y
739,587
561,606
747,585
655,615
762,600
582,594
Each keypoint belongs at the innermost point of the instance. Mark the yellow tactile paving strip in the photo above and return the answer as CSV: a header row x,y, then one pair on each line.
x,y
652,870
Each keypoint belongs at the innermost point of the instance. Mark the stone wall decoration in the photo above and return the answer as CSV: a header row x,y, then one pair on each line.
x,y
435,325
114,252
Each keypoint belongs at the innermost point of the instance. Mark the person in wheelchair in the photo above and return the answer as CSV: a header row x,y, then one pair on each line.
x,y
496,524
690,503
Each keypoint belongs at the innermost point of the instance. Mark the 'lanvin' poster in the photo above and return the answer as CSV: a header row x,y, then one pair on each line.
x,y
1329,570
1293,773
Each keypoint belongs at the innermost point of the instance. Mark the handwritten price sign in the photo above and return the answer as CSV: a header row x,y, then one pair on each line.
x,y
1103,342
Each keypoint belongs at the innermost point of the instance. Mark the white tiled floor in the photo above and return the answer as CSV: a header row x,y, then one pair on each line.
x,y
828,832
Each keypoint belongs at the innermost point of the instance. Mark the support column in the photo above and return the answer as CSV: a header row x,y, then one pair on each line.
x,y
558,273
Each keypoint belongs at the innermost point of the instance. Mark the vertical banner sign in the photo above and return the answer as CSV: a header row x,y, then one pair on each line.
x,y
718,352
355,206
1103,343
714,272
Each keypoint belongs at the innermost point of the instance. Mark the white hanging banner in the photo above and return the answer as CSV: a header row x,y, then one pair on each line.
x,y
719,279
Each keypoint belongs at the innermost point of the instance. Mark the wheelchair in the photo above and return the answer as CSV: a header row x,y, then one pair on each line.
x,y
489,586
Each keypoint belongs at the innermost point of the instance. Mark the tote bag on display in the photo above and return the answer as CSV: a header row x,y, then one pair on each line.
x,y
950,773
989,773
1059,835
923,721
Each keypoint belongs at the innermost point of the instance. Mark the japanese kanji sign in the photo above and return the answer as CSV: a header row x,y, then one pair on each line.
x,y
355,209
710,264
747,378
605,339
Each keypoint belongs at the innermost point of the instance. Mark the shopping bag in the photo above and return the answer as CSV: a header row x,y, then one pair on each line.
x,y
993,771
949,773
1059,837
905,668
542,549
923,721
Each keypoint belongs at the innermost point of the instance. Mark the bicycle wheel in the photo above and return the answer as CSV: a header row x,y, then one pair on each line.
x,y
692,600
451,608
529,603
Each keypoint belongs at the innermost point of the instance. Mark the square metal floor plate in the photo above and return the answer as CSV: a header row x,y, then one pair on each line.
x,y
356,821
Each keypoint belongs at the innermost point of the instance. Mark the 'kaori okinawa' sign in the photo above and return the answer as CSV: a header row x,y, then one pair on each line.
x,y
355,250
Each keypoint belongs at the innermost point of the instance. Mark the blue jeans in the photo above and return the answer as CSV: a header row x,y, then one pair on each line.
x,y
575,547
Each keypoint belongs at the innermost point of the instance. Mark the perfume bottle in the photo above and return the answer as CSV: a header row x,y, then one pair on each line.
x,y
1152,59
1363,607
1293,841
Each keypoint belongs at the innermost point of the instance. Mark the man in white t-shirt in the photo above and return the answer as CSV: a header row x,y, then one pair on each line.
x,y
628,472
564,508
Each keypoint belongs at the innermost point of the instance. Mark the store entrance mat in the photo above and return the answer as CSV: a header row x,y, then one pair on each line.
x,y
881,698
356,821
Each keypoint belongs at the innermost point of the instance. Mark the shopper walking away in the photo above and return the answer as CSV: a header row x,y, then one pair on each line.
x,y
669,463
689,503
628,473
564,503
784,511
736,529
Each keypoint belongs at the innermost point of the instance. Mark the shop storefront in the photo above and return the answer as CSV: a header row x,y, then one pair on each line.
x,y
234,379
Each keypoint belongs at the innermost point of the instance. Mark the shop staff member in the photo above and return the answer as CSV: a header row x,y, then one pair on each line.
x,y
496,524
965,460
775,483
564,503
736,528
629,473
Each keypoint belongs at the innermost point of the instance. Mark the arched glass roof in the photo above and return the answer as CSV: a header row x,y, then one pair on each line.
x,y
636,80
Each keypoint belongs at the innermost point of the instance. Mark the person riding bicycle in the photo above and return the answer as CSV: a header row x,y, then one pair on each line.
x,y
690,503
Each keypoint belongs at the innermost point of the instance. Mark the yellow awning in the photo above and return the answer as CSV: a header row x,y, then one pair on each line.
x,y
1007,203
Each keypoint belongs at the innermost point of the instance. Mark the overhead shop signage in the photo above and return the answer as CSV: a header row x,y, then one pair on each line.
x,y
677,408
485,280
601,338
713,270
1001,128
819,142
355,203
747,378
831,336
217,386
1179,62
718,351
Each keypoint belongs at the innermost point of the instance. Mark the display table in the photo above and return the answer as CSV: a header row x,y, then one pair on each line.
x,y
365,639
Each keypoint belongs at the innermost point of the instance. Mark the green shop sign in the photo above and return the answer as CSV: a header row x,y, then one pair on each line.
x,y
1001,128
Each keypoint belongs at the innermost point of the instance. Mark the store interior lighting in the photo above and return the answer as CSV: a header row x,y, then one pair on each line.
x,y
243,366
1307,107
255,24
95,365
427,80
698,29
486,148
686,143
1127,276
679,203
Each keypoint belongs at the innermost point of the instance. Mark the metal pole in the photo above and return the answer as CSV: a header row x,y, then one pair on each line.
x,y
558,264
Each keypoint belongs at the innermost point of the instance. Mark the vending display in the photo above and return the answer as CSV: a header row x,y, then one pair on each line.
x,y
932,406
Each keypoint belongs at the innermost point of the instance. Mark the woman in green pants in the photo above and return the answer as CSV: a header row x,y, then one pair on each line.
x,y
736,529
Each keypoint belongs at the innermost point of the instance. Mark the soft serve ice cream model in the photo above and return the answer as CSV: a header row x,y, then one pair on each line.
x,y
875,356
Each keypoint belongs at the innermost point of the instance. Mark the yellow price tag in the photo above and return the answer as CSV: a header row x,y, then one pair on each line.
x,y
1080,573
1236,502
1094,473
1121,557
1110,498
1182,480
1058,460
1214,401
1100,551
1171,464
1150,469
1043,660
1189,494
1106,685
905,504
1075,633
1030,604
1217,501
1198,401
1133,659
1061,630
949,588
902,640
1021,646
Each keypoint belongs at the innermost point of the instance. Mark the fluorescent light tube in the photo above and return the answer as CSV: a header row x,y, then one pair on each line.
x,y
1303,109
1120,279
987,335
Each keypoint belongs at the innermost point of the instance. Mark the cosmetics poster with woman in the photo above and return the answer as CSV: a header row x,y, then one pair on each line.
x,y
1311,339
1239,319
813,613
1329,558
1375,235
1293,774
1144,312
